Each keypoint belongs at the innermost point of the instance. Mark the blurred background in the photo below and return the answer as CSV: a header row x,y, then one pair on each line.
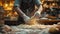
x,y
11,15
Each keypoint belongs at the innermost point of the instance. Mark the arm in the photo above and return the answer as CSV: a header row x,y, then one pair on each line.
x,y
19,11
39,5
25,17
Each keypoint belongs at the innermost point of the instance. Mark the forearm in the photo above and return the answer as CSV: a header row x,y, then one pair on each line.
x,y
19,11
40,8
38,12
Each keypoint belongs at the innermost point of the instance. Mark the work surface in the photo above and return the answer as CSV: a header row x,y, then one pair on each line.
x,y
31,29
49,21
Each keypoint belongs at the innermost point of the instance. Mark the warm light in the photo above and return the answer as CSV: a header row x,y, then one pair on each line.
x,y
0,4
8,8
53,4
6,5
11,4
15,13
45,5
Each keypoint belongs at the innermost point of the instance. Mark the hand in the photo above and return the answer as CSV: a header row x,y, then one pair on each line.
x,y
37,14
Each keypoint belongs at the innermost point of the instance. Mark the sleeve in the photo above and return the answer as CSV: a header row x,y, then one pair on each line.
x,y
17,2
37,2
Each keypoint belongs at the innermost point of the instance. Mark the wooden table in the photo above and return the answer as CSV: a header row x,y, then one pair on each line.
x,y
47,21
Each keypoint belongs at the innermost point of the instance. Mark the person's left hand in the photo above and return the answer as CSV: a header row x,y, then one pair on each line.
x,y
37,14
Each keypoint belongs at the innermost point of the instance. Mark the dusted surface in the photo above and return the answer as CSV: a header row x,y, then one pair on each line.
x,y
33,29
